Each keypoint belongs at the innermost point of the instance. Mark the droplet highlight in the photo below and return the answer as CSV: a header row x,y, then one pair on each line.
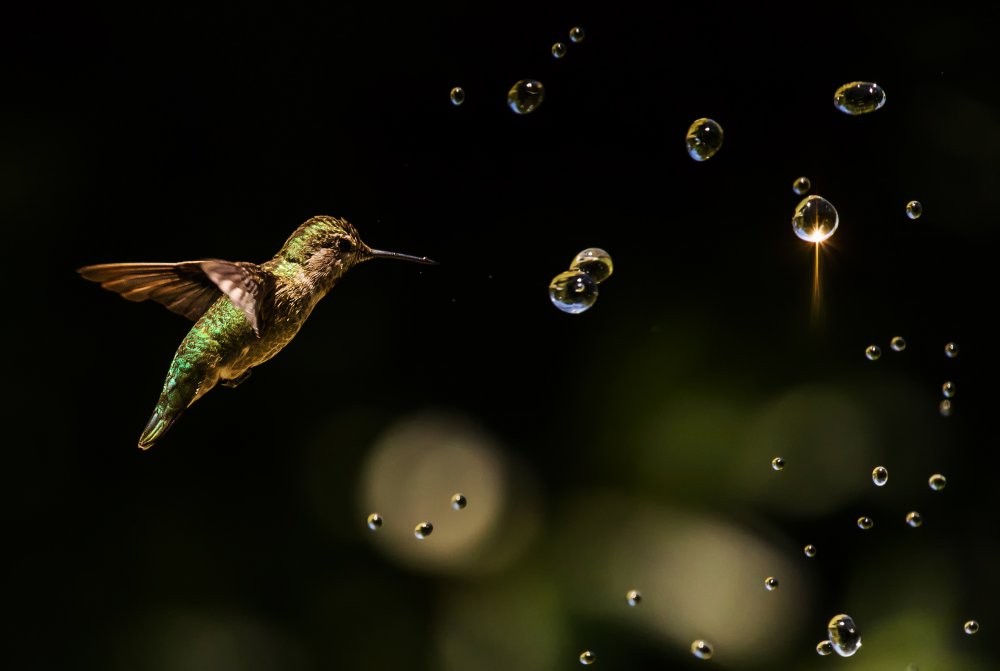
x,y
374,521
873,352
633,597
914,519
937,482
770,583
898,344
824,648
914,209
576,34
704,139
951,350
423,530
525,96
702,649
595,262
865,523
859,98
948,389
777,463
801,186
809,550
573,292
457,96
815,219
587,658
971,627
558,50
458,501
880,476
844,635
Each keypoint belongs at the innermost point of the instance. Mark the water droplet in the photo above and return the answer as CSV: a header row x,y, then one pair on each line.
x,y
914,209
702,649
457,96
633,597
771,583
704,138
815,219
937,482
777,463
525,96
573,292
859,98
587,658
595,262
865,523
558,50
843,634
948,389
873,352
458,501
810,550
914,519
898,344
824,648
423,530
945,408
801,186
880,476
374,521
951,350
971,627
576,34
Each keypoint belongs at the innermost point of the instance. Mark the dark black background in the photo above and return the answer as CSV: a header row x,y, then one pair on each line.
x,y
162,133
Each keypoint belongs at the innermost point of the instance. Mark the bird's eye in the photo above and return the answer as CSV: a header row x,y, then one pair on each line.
x,y
344,245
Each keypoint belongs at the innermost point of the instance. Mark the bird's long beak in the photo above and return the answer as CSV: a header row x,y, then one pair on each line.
x,y
379,254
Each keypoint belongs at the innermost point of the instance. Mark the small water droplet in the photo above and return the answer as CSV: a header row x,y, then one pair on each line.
x,y
914,519
880,476
951,350
914,209
971,627
948,389
824,648
865,523
587,658
632,597
702,649
704,138
770,583
944,407
843,634
595,262
809,550
873,352
458,501
576,34
573,292
423,530
777,463
558,50
937,482
859,98
374,521
815,219
525,96
457,96
898,344
801,186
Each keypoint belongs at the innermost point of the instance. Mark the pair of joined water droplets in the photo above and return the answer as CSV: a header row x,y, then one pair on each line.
x,y
575,290
423,529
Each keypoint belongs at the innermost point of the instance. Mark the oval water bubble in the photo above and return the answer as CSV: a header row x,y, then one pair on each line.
x,y
914,209
777,463
898,344
815,219
801,186
824,648
573,292
576,34
873,352
914,519
587,658
458,501
374,521
859,98
770,583
937,482
558,50
944,407
865,523
525,96
951,350
703,139
844,635
948,389
457,96
971,627
809,550
702,649
633,598
880,476
595,262
423,530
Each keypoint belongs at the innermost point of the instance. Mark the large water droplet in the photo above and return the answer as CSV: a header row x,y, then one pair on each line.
x,y
914,519
457,96
914,209
898,344
971,627
573,292
423,530
704,138
951,350
873,352
824,648
948,389
777,463
458,501
880,476
633,597
587,658
859,98
770,583
558,50
843,634
374,521
576,34
815,219
525,96
937,482
865,523
809,550
801,186
702,649
595,262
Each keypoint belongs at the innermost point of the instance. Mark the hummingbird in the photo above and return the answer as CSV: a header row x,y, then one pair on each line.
x,y
244,313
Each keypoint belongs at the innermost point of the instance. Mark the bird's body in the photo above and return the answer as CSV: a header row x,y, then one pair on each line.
x,y
245,313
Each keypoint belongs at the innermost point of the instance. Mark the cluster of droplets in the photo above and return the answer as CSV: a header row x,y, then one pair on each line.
x,y
575,290
703,139
423,529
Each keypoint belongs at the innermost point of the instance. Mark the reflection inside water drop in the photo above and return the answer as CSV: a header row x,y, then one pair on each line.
x,y
374,521
423,530
951,350
937,482
859,98
573,292
914,209
777,463
865,523
525,96
458,501
809,550
704,139
945,408
971,627
595,262
914,519
824,648
898,344
844,635
770,583
702,649
558,50
873,352
576,34
801,186
457,96
587,658
948,389
880,476
632,597
815,219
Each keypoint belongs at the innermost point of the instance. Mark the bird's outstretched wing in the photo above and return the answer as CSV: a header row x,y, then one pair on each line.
x,y
190,287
